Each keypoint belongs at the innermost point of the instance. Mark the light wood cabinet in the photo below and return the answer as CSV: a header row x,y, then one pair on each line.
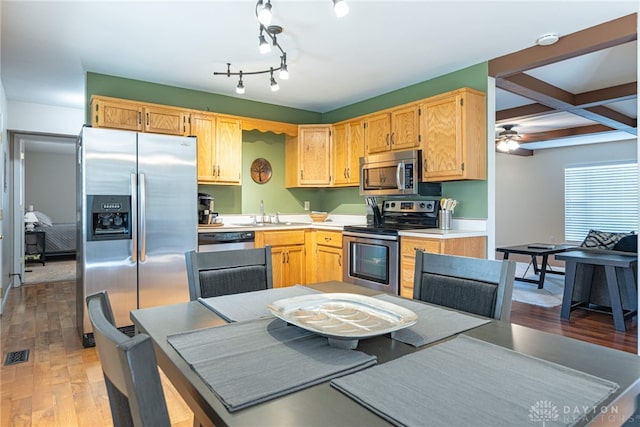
x,y
464,246
453,136
347,148
308,157
287,255
328,256
116,114
166,120
229,150
219,148
395,129
137,116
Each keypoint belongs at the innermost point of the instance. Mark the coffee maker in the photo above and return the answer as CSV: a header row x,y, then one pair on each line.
x,y
205,208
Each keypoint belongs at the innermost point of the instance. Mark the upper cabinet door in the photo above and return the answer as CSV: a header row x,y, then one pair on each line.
x,y
405,128
203,127
356,150
377,133
116,114
314,143
340,154
454,135
229,150
171,121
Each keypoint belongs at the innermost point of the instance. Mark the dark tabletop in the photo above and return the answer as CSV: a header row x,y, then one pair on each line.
x,y
322,405
599,258
535,249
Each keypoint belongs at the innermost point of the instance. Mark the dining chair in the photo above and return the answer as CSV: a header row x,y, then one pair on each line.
x,y
475,285
130,370
235,271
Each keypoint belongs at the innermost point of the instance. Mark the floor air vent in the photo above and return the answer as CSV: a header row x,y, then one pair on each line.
x,y
14,357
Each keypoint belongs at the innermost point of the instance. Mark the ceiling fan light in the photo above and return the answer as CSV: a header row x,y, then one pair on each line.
x,y
503,146
340,7
264,15
512,144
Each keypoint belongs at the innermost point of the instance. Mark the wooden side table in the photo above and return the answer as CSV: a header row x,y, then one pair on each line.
x,y
34,245
613,264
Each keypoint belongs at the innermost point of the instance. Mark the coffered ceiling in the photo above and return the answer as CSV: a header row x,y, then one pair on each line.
x,y
582,88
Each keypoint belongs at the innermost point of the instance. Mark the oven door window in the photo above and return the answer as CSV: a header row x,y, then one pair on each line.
x,y
369,262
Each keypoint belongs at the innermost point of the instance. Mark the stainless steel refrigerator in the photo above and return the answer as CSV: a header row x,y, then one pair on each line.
x,y
137,216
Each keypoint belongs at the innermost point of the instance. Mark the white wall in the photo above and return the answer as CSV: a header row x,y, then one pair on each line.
x,y
50,184
35,118
5,223
530,190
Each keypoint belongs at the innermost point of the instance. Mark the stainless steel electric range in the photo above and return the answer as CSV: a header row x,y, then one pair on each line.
x,y
371,251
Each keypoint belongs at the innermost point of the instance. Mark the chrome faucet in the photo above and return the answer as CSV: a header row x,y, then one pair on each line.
x,y
261,210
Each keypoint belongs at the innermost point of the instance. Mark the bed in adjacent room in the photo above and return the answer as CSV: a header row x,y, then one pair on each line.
x,y
60,238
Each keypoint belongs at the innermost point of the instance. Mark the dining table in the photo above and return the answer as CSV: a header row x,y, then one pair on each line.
x,y
451,368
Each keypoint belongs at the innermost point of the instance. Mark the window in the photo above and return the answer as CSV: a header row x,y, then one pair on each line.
x,y
602,197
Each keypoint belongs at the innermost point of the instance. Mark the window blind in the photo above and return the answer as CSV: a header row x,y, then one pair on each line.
x,y
601,197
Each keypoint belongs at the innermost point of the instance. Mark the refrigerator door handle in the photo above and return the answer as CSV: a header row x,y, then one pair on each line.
x,y
134,219
143,219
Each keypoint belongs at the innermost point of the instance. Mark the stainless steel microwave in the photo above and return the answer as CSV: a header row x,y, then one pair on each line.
x,y
393,173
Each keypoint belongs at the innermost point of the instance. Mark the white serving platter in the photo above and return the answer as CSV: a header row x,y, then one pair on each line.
x,y
343,318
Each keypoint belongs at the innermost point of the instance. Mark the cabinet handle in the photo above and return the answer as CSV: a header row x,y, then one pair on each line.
x,y
284,257
348,173
301,174
147,119
387,139
340,260
287,257
393,135
424,162
327,239
139,118
344,173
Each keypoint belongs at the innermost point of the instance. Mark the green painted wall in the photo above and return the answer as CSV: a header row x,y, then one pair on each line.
x,y
137,90
245,199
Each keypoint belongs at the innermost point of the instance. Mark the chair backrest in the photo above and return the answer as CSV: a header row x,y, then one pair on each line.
x,y
129,367
474,285
235,271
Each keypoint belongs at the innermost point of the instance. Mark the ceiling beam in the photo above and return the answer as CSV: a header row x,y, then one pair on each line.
x,y
562,133
603,36
562,100
623,92
517,114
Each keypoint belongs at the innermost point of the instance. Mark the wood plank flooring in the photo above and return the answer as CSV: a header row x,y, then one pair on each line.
x,y
62,385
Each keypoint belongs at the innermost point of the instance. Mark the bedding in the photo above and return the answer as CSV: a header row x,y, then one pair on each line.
x,y
60,238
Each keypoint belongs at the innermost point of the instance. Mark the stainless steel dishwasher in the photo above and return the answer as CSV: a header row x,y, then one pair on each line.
x,y
225,240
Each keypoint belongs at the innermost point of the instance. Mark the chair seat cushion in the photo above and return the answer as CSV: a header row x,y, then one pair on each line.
x,y
232,280
472,296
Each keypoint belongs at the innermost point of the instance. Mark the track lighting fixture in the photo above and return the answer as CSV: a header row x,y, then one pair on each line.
x,y
240,86
274,84
264,17
264,13
340,7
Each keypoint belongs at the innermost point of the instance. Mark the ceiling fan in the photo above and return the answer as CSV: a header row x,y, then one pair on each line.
x,y
507,139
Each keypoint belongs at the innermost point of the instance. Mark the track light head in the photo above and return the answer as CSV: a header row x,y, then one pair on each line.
x,y
264,14
340,7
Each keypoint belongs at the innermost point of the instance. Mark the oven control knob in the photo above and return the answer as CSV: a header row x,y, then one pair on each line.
x,y
422,205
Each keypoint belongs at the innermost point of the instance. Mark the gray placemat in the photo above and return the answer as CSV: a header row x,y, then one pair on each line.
x,y
433,323
251,305
245,363
466,381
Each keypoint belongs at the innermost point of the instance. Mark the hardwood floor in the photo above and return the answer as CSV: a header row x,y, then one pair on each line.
x,y
62,385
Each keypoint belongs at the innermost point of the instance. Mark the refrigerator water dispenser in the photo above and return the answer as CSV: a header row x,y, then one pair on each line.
x,y
109,217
